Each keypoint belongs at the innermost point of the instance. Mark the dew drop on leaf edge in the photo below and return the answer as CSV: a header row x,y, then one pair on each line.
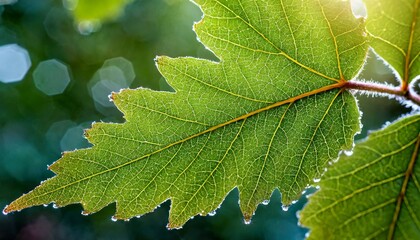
x,y
114,219
4,212
298,216
247,221
212,213
348,153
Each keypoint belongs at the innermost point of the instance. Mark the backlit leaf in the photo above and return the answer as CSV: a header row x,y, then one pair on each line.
x,y
394,30
271,114
374,193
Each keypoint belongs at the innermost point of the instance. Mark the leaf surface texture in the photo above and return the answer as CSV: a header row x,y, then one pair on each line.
x,y
270,114
394,30
374,193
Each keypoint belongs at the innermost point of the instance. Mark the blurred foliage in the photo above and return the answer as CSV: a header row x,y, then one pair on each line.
x,y
91,10
35,128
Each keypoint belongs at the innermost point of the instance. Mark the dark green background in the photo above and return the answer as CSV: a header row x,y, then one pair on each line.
x,y
27,144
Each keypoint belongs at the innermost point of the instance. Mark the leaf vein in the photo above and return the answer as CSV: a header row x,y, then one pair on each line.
x,y
215,168
408,174
268,152
355,192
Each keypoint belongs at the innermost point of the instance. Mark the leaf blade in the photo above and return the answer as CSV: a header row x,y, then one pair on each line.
x,y
371,190
400,19
247,121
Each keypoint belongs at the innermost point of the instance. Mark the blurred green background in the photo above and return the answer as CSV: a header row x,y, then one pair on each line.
x,y
65,64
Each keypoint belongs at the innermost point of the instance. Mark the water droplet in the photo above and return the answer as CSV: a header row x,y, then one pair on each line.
x,y
212,213
247,221
127,219
358,8
285,207
55,206
114,219
169,227
348,153
4,210
84,213
297,216
294,201
138,216
265,202
316,180
45,205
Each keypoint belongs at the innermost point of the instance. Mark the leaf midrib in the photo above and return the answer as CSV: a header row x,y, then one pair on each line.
x,y
341,84
408,174
410,43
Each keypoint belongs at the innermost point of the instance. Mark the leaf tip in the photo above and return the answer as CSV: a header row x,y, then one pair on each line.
x,y
112,96
161,60
114,218
13,207
6,210
172,226
85,213
157,59
247,217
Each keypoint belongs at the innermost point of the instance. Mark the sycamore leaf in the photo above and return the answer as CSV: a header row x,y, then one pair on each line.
x,y
374,193
271,114
394,30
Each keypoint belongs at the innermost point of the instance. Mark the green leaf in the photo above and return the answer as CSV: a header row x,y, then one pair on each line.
x,y
98,10
271,114
374,193
394,31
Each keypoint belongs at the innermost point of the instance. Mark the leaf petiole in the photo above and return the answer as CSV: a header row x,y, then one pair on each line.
x,y
372,87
